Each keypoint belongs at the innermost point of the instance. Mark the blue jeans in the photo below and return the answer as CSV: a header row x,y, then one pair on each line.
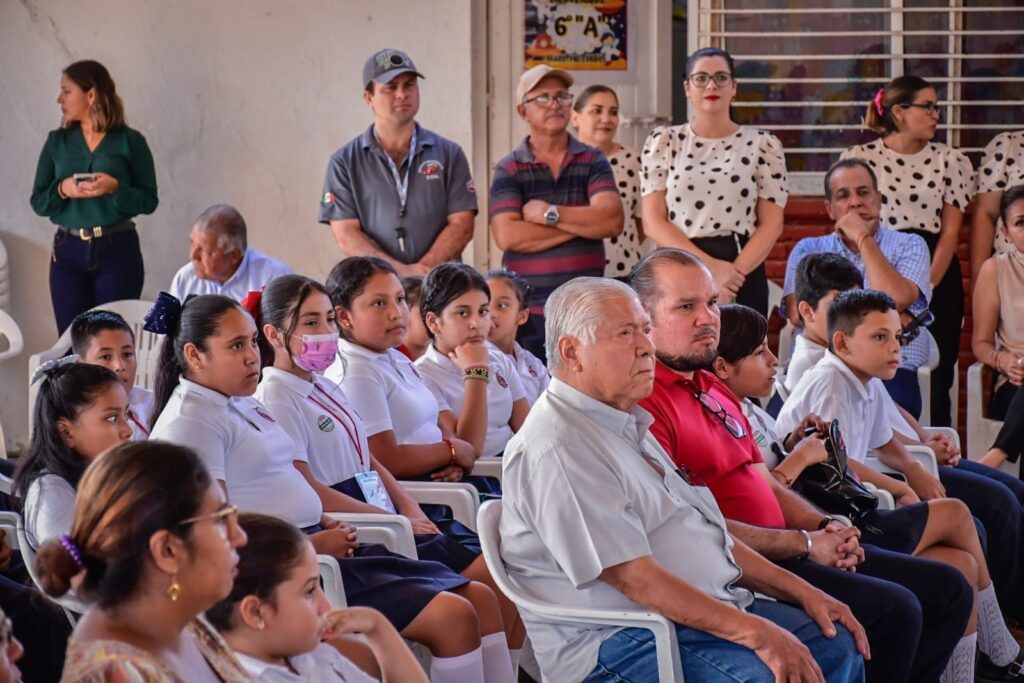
x,y
629,655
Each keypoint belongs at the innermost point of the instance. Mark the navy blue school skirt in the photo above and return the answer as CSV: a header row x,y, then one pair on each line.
x,y
456,547
395,586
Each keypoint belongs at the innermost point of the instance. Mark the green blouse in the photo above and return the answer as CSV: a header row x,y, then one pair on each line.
x,y
122,153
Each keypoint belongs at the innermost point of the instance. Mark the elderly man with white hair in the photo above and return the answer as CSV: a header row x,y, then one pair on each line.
x,y
221,261
596,514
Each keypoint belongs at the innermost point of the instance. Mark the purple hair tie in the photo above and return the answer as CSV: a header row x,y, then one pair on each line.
x,y
72,549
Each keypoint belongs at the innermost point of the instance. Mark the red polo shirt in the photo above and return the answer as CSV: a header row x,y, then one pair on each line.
x,y
694,436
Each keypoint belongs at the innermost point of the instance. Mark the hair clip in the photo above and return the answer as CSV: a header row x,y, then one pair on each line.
x,y
48,368
878,101
251,303
73,551
164,316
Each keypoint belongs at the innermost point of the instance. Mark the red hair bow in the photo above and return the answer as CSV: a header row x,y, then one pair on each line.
x,y
251,303
878,101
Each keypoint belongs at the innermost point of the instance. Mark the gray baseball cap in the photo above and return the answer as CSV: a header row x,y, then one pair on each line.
x,y
386,64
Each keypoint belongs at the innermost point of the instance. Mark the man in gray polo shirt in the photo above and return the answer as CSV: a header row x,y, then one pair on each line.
x,y
596,514
398,191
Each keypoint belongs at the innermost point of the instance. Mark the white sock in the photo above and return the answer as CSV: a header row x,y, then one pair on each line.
x,y
515,655
497,658
994,638
467,668
960,668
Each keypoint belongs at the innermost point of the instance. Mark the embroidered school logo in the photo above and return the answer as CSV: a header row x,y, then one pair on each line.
x,y
325,423
532,370
501,380
328,198
471,186
431,169
264,414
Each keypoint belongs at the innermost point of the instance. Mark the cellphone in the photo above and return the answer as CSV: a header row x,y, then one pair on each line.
x,y
84,178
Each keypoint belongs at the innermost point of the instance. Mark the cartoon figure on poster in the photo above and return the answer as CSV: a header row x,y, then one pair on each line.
x,y
576,34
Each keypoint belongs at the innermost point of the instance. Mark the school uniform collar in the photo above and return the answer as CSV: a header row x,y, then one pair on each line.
x,y
441,360
257,667
801,339
350,349
211,395
632,424
289,381
832,360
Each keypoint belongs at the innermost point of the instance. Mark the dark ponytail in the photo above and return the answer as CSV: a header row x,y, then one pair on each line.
x,y
279,306
900,91
197,321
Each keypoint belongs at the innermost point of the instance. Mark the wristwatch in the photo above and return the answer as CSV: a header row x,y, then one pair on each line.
x,y
551,216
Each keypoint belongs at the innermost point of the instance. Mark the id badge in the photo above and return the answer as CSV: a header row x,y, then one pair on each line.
x,y
374,492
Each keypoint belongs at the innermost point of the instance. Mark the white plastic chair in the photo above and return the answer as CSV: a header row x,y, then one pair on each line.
x,y
12,333
786,335
981,431
924,381
330,575
394,532
885,499
147,347
666,643
489,466
6,483
5,280
462,498
72,606
921,454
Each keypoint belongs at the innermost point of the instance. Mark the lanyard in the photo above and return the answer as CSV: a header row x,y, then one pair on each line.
x,y
353,433
401,184
131,416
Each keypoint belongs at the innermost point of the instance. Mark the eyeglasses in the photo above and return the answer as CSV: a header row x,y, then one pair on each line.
x,y
930,108
564,99
913,329
701,79
221,516
730,421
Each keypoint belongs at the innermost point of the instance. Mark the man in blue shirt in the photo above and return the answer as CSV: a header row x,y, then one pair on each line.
x,y
893,262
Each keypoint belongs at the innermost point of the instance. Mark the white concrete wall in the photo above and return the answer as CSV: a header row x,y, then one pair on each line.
x,y
242,101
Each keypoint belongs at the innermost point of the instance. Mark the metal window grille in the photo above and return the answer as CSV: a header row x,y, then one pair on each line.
x,y
808,69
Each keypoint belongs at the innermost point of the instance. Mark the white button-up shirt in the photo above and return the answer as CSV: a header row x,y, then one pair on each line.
x,y
579,498
444,379
140,407
388,392
323,665
831,390
532,372
254,273
243,446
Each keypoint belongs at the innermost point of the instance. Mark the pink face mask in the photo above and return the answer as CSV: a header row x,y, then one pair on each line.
x,y
318,352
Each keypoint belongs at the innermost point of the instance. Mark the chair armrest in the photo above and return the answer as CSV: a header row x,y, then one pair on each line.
x,y
330,574
919,454
488,467
462,498
885,499
394,532
15,339
948,431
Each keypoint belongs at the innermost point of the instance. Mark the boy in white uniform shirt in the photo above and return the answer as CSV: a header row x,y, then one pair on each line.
x,y
104,338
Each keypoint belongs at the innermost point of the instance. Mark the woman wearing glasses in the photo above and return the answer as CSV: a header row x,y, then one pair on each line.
x,y
714,187
925,187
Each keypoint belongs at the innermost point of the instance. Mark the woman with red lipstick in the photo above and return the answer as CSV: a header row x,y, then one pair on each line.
x,y
153,545
925,187
716,188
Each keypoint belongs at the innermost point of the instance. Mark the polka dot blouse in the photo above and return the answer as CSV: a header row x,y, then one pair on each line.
x,y
916,186
712,184
1002,167
622,252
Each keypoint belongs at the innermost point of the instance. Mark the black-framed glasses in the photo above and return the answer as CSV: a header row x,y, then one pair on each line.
x,y
930,108
564,99
222,515
730,421
701,79
912,330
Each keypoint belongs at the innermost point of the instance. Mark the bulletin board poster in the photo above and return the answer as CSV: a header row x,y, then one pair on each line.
x,y
587,35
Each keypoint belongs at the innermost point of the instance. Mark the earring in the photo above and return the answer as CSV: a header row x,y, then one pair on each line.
x,y
174,590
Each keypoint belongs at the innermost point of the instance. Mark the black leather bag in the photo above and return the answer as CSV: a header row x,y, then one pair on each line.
x,y
830,486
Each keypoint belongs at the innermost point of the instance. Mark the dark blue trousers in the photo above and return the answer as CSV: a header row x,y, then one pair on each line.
x,y
905,390
84,275
913,610
995,498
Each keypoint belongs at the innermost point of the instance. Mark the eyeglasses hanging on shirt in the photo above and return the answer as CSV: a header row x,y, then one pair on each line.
x,y
712,405
401,184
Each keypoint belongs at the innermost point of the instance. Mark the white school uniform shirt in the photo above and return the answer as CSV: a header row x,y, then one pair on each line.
x,y
807,354
49,509
323,665
388,392
764,431
532,372
254,273
831,390
243,446
321,421
444,379
140,407
579,498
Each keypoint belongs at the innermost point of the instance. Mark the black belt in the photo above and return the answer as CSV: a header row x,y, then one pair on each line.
x,y
89,234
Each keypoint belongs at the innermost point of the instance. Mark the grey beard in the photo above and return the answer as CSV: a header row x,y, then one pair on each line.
x,y
689,363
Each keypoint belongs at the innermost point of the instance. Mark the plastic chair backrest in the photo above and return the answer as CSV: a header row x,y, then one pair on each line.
x,y
10,329
330,575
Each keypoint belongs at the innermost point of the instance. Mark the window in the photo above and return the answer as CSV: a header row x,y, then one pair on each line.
x,y
808,69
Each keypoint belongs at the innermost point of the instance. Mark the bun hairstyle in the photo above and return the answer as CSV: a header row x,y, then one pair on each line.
x,y
133,491
107,110
691,61
67,389
279,306
900,91
348,278
445,283
590,91
743,331
191,322
273,549
520,285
